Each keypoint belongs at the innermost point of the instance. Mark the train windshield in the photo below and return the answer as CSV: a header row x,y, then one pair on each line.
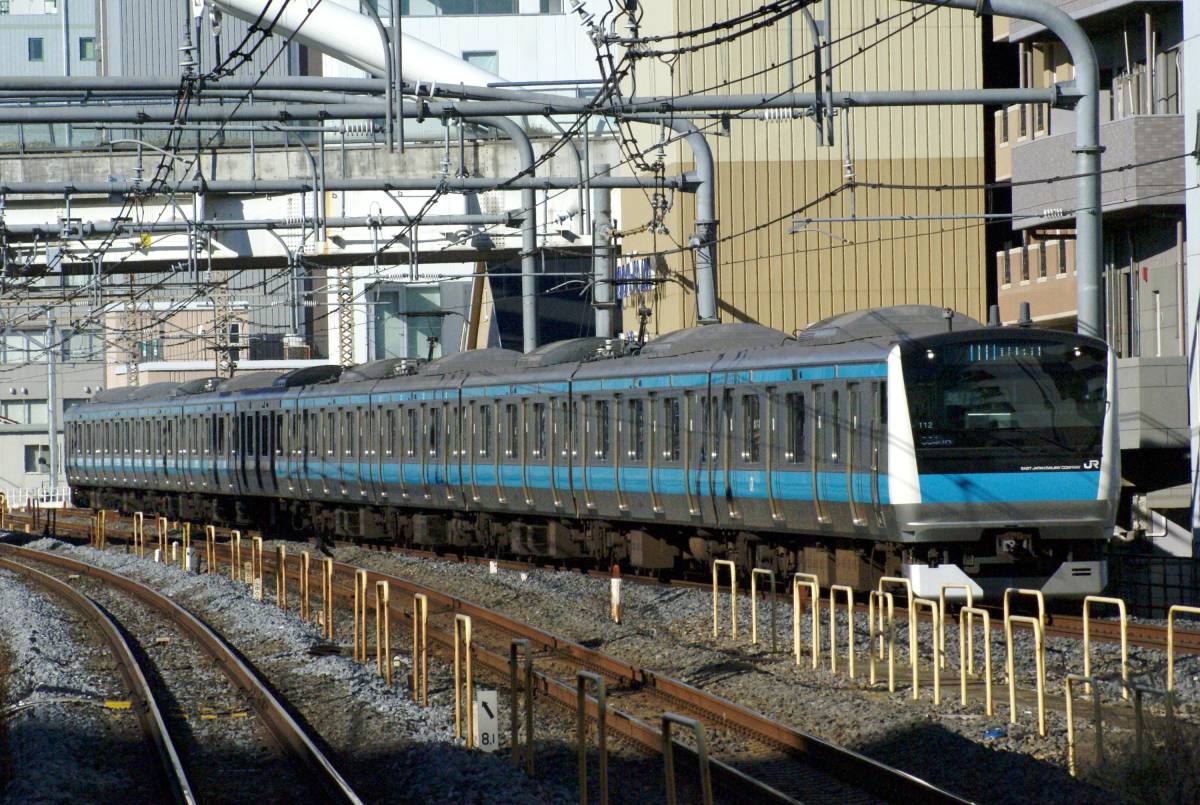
x,y
1043,398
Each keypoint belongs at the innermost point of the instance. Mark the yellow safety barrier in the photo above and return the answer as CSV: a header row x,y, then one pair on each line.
x,y
383,633
1177,608
1087,654
1036,594
327,598
462,657
1097,719
235,554
162,538
970,666
1040,649
186,545
884,599
770,574
360,615
305,570
834,589
1139,722
810,582
965,617
912,615
420,658
139,534
917,605
520,687
210,549
581,680
668,753
101,529
281,576
716,568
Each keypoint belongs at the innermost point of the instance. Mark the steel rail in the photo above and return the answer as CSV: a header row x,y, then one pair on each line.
x,y
846,765
289,735
174,782
1140,635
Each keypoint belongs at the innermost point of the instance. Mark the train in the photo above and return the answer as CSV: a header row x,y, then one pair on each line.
x,y
903,441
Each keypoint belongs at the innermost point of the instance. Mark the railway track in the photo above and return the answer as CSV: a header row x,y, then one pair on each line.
x,y
1058,624
293,751
752,758
172,783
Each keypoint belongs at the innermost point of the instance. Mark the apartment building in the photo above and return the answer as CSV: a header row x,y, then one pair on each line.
x,y
1143,83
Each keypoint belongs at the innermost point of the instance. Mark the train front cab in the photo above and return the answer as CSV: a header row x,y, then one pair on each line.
x,y
1003,461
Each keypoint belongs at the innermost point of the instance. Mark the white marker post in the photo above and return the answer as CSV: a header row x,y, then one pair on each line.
x,y
487,733
492,567
615,586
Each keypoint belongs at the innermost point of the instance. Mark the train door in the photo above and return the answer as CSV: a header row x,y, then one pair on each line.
x,y
818,453
278,442
858,491
560,454
451,473
726,436
584,426
878,436
832,480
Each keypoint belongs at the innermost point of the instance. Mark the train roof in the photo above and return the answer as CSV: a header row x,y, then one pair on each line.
x,y
858,335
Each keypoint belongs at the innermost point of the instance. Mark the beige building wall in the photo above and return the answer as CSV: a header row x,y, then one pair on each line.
x,y
770,173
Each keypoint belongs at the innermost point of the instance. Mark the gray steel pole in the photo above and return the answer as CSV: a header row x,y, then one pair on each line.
x,y
529,319
1088,227
704,240
602,289
52,400
389,70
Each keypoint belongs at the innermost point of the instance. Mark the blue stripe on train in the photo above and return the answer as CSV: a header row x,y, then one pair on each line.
x,y
1008,487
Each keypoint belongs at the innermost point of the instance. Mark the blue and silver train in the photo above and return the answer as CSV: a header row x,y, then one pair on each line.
x,y
899,441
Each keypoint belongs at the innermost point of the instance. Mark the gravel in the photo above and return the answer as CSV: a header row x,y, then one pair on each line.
x,y
384,744
669,630
61,743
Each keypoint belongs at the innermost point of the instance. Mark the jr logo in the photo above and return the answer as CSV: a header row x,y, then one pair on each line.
x,y
1092,464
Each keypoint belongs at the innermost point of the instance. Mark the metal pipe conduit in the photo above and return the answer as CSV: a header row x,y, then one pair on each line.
x,y
469,184
528,228
1088,232
200,112
86,229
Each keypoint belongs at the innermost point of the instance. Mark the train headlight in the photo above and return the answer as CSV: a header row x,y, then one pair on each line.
x,y
929,354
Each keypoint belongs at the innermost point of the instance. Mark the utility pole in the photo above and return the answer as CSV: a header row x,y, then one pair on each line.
x,y
602,288
52,400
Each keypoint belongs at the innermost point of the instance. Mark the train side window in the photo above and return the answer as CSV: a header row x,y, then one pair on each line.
x,y
435,430
818,424
389,434
264,433
538,448
564,441
603,429
794,453
411,431
331,433
637,430
835,430
883,402
751,428
487,429
278,419
511,423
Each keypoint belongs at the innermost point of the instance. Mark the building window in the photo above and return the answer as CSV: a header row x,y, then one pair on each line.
x,y
4,6
87,48
35,46
1062,256
552,6
37,458
440,8
483,59
23,412
1007,269
1042,261
1025,264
